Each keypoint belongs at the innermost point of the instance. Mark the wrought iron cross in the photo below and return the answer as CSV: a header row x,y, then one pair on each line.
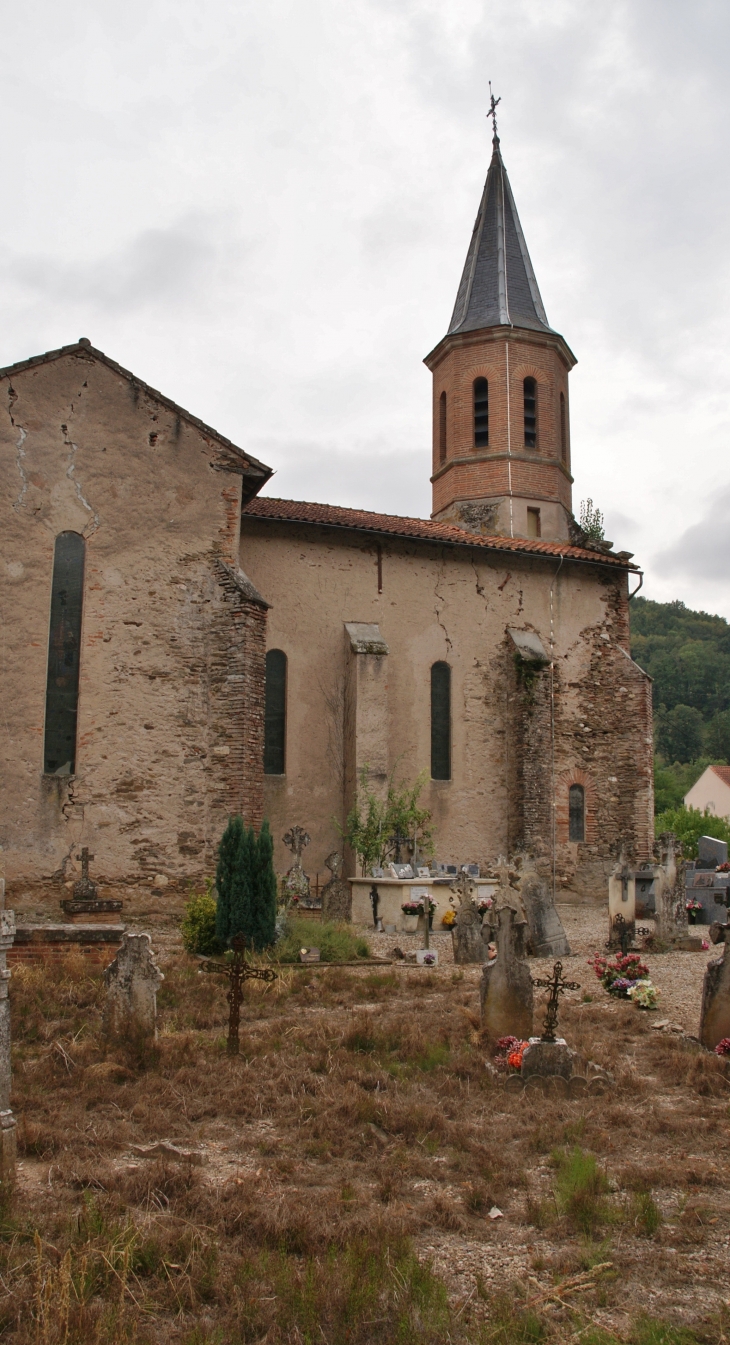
x,y
398,840
237,970
623,933
297,840
556,985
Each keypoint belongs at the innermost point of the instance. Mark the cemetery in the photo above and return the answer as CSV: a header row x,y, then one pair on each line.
x,y
503,1125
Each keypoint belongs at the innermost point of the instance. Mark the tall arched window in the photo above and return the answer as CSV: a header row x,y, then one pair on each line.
x,y
442,427
576,813
275,713
481,413
440,721
563,430
529,387
64,648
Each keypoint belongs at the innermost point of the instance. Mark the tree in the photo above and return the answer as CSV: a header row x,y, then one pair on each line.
x,y
263,912
688,824
372,822
717,736
679,733
591,521
243,886
228,850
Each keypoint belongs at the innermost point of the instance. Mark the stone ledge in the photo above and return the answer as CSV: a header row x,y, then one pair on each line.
x,y
40,934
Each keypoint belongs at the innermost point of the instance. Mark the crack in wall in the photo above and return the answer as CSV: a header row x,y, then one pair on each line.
x,y
71,474
440,599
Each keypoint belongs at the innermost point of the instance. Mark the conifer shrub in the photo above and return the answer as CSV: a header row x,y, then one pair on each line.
x,y
246,884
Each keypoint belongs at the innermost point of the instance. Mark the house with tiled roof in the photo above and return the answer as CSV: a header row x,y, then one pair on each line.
x,y
711,793
179,646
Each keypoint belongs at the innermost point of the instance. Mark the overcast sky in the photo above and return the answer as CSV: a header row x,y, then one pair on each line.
x,y
263,209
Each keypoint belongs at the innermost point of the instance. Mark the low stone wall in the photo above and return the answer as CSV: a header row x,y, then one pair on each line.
x,y
98,944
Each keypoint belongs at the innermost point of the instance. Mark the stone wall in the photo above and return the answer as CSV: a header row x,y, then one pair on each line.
x,y
173,638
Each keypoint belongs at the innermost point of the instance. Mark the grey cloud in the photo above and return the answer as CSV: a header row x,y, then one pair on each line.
x,y
703,550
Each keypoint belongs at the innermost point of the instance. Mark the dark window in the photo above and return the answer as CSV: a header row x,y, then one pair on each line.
x,y
442,427
440,721
275,713
481,413
64,647
563,430
530,395
576,813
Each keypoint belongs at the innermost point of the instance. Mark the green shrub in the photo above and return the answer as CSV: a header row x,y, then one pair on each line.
x,y
689,824
336,943
581,1188
199,924
246,885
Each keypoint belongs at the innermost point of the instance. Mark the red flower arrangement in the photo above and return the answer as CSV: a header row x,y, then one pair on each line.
x,y
723,1047
509,1053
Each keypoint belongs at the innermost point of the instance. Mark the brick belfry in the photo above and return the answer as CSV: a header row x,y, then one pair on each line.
x,y
501,440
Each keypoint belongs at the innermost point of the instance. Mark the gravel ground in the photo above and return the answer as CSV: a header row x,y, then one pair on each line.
x,y
677,976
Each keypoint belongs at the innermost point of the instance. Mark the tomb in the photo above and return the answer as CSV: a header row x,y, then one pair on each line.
x,y
132,981
506,988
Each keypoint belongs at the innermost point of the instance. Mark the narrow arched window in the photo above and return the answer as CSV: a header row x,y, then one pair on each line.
x,y
275,713
530,395
440,721
576,813
442,427
563,430
64,649
481,413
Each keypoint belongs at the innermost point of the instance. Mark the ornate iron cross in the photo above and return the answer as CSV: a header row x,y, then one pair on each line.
x,y
237,970
556,985
397,840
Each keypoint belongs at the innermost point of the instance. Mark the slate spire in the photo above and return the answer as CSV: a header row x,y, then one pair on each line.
x,y
498,286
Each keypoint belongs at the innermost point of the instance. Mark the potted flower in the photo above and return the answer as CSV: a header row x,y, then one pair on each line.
x,y
693,906
448,919
485,904
412,909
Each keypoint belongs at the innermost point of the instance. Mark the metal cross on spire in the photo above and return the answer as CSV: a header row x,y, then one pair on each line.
x,y
493,109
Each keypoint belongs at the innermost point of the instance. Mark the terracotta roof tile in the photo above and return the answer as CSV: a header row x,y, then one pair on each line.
x,y
723,772
420,529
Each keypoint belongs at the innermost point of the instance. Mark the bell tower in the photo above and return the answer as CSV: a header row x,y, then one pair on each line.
x,y
501,423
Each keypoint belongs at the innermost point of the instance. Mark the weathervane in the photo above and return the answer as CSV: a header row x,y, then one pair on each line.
x,y
493,109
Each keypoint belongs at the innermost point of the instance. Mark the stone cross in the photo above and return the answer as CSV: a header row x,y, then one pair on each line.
x,y
297,839
132,981
85,889
336,894
237,970
557,985
506,989
467,933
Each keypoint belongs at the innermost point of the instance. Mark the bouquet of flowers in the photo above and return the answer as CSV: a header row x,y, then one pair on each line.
x,y
643,994
692,904
449,917
723,1047
414,906
429,959
619,974
484,904
509,1053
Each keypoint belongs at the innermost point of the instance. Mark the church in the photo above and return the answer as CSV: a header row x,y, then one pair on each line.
x,y
178,647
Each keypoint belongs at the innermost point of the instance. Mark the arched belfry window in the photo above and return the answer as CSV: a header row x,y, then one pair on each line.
x,y
481,413
275,713
563,429
530,398
64,649
442,427
576,813
440,721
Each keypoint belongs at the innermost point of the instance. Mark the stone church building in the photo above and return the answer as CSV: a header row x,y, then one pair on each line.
x,y
177,647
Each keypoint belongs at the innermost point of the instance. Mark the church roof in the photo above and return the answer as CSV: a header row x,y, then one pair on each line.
x,y
417,529
498,286
255,472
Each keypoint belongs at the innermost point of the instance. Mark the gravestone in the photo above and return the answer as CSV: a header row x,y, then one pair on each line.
x,y
84,905
337,893
547,935
506,989
715,1011
296,882
466,934
7,1120
670,911
710,853
132,981
621,901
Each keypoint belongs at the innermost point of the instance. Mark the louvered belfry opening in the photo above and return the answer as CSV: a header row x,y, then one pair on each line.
x,y
64,649
481,413
530,396
440,721
275,713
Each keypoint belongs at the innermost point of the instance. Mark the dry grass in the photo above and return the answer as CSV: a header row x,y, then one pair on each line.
x,y
352,1156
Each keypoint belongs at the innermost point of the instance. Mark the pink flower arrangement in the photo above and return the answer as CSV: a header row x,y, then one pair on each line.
x,y
723,1047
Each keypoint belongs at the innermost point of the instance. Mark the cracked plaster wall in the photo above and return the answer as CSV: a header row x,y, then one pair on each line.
x,y
171,667
443,603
